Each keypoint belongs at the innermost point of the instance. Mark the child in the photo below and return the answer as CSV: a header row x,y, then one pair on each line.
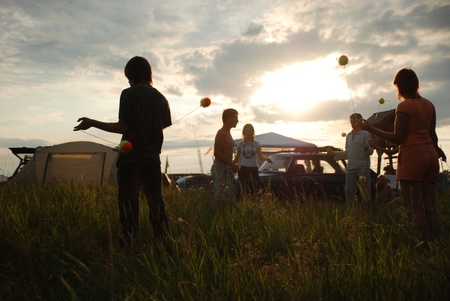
x,y
383,190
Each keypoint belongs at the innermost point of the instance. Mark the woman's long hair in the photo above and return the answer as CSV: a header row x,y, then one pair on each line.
x,y
407,84
248,126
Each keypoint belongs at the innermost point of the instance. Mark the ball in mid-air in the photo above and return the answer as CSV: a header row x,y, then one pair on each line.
x,y
343,134
343,60
381,100
205,102
125,146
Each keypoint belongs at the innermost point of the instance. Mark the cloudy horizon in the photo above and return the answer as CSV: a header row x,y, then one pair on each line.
x,y
274,61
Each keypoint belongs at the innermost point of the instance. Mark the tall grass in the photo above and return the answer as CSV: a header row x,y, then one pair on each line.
x,y
60,243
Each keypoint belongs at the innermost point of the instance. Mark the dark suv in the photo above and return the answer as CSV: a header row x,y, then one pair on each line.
x,y
196,181
305,175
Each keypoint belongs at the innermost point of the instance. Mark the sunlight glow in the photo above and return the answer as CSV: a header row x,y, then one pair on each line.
x,y
298,87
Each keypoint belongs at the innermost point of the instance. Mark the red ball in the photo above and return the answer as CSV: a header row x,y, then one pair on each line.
x,y
205,102
125,146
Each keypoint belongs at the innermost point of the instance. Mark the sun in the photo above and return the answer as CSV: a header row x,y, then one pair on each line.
x,y
299,87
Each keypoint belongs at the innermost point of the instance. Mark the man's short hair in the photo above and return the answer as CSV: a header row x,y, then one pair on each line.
x,y
228,113
355,116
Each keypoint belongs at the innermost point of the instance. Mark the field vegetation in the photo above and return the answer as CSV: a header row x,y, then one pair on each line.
x,y
60,242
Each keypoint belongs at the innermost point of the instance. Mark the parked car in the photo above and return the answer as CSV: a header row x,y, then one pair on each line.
x,y
443,181
305,175
197,181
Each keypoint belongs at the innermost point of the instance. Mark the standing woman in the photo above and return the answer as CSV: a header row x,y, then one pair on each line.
x,y
418,159
250,149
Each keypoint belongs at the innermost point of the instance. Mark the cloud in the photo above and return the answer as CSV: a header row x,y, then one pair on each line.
x,y
64,59
380,46
430,17
235,66
22,142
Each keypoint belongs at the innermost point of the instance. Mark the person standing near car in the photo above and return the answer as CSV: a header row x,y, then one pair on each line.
x,y
418,158
224,167
248,151
357,152
143,114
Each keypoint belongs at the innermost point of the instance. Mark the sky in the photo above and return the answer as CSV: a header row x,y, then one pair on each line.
x,y
276,62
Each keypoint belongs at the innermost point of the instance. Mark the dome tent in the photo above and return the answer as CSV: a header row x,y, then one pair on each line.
x,y
80,162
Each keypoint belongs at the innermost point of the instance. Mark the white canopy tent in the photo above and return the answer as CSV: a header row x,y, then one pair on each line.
x,y
273,142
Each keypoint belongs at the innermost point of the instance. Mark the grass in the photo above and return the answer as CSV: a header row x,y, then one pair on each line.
x,y
60,243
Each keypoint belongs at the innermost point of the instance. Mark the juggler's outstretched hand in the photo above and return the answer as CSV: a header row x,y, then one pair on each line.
x,y
85,124
364,124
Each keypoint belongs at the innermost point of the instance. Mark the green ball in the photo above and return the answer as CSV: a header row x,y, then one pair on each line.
x,y
343,60
381,101
125,146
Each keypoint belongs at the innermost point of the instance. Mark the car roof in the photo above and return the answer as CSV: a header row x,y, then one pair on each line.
x,y
302,155
310,156
193,176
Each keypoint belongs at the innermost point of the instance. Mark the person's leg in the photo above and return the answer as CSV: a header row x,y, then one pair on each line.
x,y
224,183
254,180
153,193
230,191
128,199
407,193
429,199
413,196
243,177
219,179
350,187
429,195
365,184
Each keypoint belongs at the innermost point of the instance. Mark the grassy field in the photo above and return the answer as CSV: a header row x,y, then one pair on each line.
x,y
60,243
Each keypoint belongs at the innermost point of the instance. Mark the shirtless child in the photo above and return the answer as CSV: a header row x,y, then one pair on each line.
x,y
224,168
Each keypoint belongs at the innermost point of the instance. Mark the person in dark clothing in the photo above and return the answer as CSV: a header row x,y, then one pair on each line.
x,y
143,114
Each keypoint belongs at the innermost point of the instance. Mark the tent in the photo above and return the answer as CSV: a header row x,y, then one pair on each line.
x,y
74,162
384,121
273,142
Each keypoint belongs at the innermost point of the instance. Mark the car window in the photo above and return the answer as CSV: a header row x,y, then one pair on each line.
x,y
298,167
202,181
341,165
317,166
327,168
280,164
